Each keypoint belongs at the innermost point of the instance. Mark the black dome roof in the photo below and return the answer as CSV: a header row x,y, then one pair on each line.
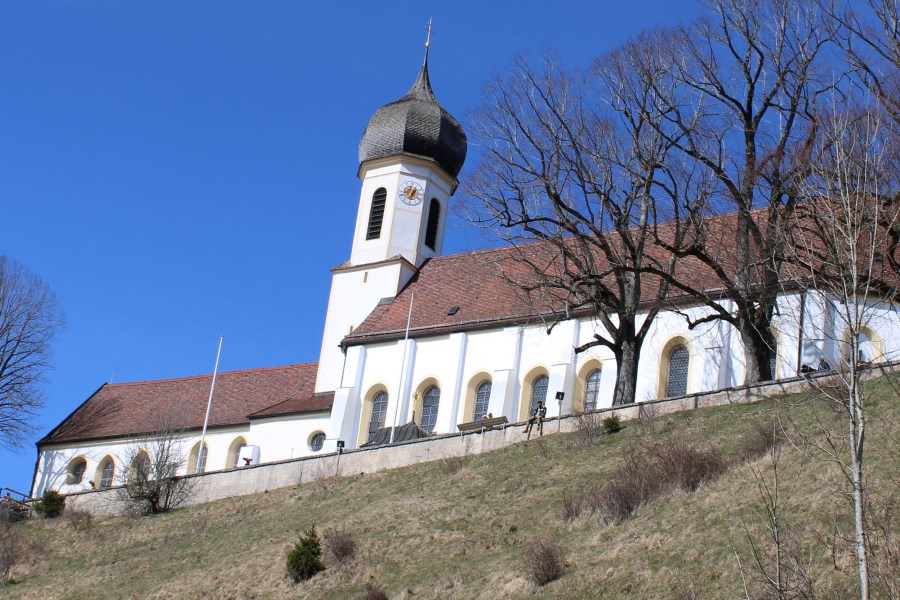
x,y
416,124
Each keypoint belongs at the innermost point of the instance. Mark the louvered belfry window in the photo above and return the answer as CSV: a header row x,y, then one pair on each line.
x,y
678,371
434,218
376,214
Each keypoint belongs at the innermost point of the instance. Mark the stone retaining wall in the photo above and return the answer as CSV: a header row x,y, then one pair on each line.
x,y
251,480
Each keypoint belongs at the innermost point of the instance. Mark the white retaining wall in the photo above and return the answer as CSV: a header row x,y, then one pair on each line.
x,y
250,480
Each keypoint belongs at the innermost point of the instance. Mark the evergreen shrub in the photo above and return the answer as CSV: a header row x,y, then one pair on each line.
x,y
305,559
51,504
612,424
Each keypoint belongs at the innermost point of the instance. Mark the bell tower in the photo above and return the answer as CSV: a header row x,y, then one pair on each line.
x,y
409,157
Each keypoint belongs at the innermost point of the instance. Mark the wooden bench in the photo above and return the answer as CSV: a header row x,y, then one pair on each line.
x,y
482,425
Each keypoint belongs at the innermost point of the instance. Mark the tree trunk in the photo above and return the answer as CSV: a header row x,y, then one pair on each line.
x,y
627,350
758,346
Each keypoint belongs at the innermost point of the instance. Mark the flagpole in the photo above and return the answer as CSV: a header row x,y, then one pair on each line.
x,y
412,296
201,453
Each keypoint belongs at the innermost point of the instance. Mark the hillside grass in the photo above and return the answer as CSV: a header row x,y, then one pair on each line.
x,y
459,528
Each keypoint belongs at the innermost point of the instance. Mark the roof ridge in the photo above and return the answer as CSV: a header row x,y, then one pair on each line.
x,y
205,375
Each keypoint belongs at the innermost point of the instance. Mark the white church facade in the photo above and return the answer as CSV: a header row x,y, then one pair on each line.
x,y
414,336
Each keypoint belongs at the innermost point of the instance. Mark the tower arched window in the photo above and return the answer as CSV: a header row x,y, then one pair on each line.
x,y
376,214
434,219
379,412
679,358
430,402
592,390
482,399
538,392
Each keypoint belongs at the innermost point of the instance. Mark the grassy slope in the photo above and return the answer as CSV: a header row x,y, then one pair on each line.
x,y
434,531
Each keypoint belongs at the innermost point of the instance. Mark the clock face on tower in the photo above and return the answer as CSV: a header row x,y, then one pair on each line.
x,y
411,193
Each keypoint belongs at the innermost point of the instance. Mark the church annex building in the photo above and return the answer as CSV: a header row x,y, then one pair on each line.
x,y
474,344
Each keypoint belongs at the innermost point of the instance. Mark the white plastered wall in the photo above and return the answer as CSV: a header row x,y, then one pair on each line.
x,y
54,461
289,436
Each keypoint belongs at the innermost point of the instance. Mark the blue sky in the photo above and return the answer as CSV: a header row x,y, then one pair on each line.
x,y
177,171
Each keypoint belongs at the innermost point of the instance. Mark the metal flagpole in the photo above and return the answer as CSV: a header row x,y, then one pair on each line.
x,y
201,453
412,296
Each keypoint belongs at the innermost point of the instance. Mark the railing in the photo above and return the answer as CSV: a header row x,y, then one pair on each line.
x,y
18,507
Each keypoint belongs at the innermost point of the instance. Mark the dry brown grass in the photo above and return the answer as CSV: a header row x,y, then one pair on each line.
x,y
425,533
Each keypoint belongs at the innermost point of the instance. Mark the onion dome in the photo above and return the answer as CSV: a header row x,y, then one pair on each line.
x,y
416,124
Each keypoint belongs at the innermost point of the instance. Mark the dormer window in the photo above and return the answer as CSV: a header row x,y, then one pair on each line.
x,y
376,214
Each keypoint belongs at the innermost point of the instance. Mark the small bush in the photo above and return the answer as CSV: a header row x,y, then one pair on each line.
x,y
14,547
373,593
305,559
572,506
632,486
340,544
612,424
451,464
80,520
588,428
651,470
758,442
685,466
51,504
545,561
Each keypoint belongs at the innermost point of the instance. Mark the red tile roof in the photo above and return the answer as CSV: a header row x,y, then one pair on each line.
x,y
124,409
486,286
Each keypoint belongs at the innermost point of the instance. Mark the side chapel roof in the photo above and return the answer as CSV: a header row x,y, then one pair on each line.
x,y
141,408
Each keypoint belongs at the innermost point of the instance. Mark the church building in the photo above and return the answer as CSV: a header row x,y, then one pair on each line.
x,y
413,336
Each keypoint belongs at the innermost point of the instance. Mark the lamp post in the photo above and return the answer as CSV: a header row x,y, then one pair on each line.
x,y
559,399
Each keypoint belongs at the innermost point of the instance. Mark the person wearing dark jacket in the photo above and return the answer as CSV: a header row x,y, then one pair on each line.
x,y
537,416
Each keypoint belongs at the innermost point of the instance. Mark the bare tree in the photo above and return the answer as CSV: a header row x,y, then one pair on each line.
x,y
776,554
837,242
571,162
150,481
30,318
868,31
737,104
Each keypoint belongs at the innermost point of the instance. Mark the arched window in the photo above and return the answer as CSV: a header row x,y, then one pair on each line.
x,y
317,441
236,447
482,399
434,218
107,473
592,390
773,360
379,412
76,471
376,214
676,385
868,347
538,392
430,402
197,459
140,466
